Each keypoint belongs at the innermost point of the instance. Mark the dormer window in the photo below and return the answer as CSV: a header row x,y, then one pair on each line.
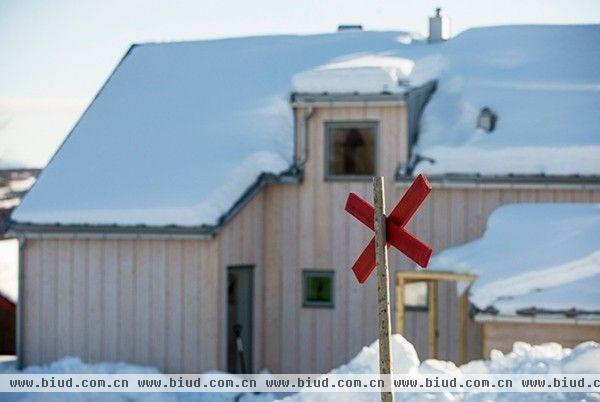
x,y
487,120
350,150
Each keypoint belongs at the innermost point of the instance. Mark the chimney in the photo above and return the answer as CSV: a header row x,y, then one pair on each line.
x,y
439,27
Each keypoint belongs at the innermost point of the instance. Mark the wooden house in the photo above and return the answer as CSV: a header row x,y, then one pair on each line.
x,y
109,273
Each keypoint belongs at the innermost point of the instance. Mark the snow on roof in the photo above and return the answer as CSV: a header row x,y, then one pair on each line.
x,y
540,256
366,74
543,83
180,130
13,185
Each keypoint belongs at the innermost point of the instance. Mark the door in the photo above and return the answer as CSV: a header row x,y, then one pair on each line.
x,y
239,318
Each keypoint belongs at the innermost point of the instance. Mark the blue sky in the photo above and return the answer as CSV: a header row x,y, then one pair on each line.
x,y
56,54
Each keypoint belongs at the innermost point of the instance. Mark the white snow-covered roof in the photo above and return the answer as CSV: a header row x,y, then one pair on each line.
x,y
543,83
533,256
366,74
180,130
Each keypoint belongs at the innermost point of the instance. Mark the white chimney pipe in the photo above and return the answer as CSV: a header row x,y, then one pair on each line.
x,y
439,27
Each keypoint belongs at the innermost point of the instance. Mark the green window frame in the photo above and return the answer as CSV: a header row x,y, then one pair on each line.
x,y
318,288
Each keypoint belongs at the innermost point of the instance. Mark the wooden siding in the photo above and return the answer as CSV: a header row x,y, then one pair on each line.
x,y
454,216
241,243
163,302
307,228
150,302
502,335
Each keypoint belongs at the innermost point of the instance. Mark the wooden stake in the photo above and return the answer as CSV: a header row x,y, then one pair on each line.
x,y
383,286
463,307
399,305
433,312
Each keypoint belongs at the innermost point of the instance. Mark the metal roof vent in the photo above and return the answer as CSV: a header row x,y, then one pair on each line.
x,y
486,120
349,27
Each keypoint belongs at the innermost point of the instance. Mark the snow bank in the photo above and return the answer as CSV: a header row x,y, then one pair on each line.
x,y
72,365
367,74
533,255
405,359
549,358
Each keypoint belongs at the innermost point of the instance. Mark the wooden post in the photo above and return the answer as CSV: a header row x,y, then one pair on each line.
x,y
383,281
399,305
463,307
433,311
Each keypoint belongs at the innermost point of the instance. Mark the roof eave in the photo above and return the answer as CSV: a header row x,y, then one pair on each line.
x,y
33,230
325,99
537,319
57,230
465,180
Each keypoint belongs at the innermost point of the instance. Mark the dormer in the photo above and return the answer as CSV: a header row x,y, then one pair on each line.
x,y
352,119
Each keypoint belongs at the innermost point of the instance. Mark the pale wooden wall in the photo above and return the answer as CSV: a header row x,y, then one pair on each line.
x,y
241,243
151,302
502,335
306,227
453,216
288,228
163,302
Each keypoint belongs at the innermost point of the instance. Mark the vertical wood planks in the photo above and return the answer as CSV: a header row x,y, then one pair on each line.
x,y
64,319
143,331
174,305
49,300
432,294
79,306
95,309
111,300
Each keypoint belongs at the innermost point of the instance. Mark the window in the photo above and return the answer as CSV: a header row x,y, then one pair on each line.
x,y
415,295
350,150
318,288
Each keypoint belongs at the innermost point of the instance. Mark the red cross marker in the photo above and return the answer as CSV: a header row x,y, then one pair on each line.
x,y
396,234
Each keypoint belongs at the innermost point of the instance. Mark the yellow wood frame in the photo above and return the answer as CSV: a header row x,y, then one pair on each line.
x,y
432,279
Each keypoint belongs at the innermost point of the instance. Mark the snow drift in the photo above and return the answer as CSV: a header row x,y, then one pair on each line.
x,y
533,256
367,74
542,83
550,358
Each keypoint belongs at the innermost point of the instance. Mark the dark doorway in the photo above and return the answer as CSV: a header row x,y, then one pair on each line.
x,y
239,318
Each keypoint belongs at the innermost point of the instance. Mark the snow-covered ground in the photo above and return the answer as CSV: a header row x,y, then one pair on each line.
x,y
533,256
549,358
